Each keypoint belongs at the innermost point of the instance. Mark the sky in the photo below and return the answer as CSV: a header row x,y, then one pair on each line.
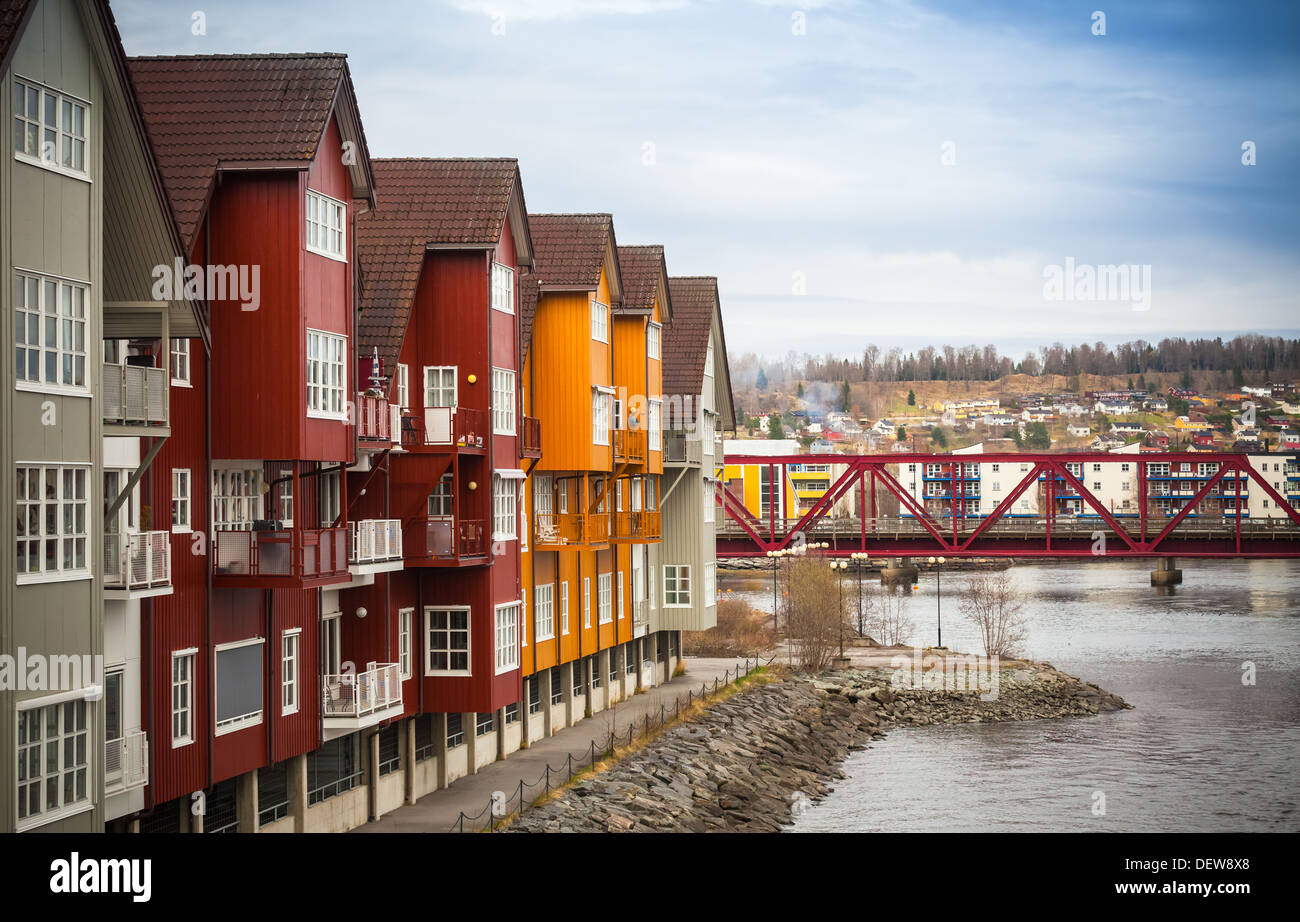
x,y
900,172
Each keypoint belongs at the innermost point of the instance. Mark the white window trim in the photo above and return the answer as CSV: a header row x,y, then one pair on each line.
x,y
342,387
604,598
296,685
586,602
656,340
504,489
564,607
602,395
55,387
341,256
403,394
188,525
247,720
677,568
469,641
503,268
61,576
599,309
538,636
172,354
56,166
406,635
46,817
192,654
512,651
507,409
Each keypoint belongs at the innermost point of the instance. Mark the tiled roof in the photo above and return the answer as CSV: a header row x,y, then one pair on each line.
x,y
641,269
686,343
12,15
422,202
528,294
206,110
570,248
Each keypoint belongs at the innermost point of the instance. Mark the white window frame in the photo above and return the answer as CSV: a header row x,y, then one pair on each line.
x,y
180,363
604,598
654,340
329,497
290,671
34,508
65,762
405,627
503,401
599,321
326,221
602,405
435,392
564,606
468,650
64,135
506,636
327,375
243,721
183,696
68,317
710,584
586,602
182,488
677,584
618,591
544,612
404,386
505,509
236,498
654,423
503,288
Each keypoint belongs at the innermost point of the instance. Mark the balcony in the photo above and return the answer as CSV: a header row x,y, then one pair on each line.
x,y
446,540
376,546
552,530
137,565
373,422
126,763
682,448
446,428
353,701
637,526
640,618
135,397
530,437
281,558
629,446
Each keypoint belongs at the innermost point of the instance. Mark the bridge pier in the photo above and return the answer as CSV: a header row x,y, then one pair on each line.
x,y
899,570
1165,573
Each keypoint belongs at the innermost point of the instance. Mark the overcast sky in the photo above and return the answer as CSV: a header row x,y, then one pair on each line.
x,y
797,151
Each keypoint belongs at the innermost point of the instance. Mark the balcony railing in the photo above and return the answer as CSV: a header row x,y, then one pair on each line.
x,y
682,448
137,560
530,441
638,526
629,445
303,553
640,618
559,529
446,427
135,395
376,540
444,537
356,695
126,762
373,419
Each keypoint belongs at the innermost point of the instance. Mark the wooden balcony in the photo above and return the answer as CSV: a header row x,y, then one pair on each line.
x,y
444,540
135,399
530,438
629,446
446,429
280,558
636,527
555,530
137,565
373,421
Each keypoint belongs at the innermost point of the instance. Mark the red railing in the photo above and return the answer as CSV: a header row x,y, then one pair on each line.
x,y
460,428
372,418
530,438
302,553
444,537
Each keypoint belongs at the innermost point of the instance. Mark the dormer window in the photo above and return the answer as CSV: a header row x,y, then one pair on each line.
x,y
326,226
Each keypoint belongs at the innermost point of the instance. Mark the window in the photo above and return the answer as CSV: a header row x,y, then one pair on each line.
x,y
599,321
601,407
604,599
447,644
282,497
180,500
655,424
996,486
53,759
52,520
404,386
484,723
49,332
236,499
711,584
440,386
544,611
677,586
651,584
653,338
404,617
620,599
331,500
564,607
455,731
503,401
183,698
512,713
290,643
708,359
326,226
707,491
326,377
507,637
238,679
440,498
504,495
331,649
49,127
180,352
996,468
503,288
586,601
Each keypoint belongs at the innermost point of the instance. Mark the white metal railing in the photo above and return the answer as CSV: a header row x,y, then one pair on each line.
x,y
137,560
683,447
358,694
135,394
640,618
126,762
376,540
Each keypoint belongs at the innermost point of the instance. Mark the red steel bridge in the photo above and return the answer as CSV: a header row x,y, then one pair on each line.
x,y
1183,515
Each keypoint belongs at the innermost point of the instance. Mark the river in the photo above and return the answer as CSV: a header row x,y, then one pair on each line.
x,y
1200,751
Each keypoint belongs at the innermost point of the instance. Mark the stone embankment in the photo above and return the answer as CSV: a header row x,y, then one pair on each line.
x,y
742,764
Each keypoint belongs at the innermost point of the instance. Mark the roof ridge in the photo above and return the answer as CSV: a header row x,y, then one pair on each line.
x,y
571,214
248,56
445,160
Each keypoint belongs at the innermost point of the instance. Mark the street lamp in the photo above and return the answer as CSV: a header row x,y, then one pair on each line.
x,y
838,567
859,558
938,598
773,555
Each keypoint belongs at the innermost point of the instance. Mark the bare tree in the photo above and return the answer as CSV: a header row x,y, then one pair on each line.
x,y
815,620
993,603
892,625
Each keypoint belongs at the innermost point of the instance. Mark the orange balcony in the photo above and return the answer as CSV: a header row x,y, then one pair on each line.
x,y
280,558
530,438
446,429
554,530
444,540
637,527
629,446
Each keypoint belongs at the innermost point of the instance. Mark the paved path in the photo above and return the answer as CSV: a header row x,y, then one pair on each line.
x,y
439,810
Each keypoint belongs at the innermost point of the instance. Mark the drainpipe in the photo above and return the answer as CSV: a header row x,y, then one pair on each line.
x,y
208,663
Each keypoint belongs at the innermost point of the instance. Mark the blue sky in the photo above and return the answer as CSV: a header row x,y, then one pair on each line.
x,y
796,150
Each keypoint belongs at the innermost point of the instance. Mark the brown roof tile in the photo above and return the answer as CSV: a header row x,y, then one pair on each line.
x,y
570,248
13,17
686,343
422,202
642,268
206,110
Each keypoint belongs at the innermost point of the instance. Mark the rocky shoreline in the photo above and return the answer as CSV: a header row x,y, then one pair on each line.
x,y
745,566
745,763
